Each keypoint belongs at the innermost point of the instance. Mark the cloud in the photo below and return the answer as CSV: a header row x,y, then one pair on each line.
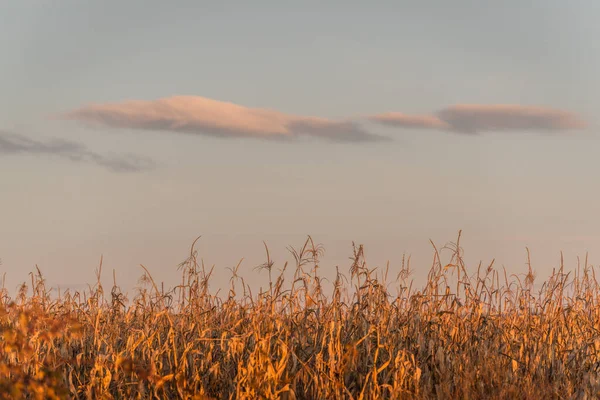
x,y
410,121
471,118
15,144
202,116
476,118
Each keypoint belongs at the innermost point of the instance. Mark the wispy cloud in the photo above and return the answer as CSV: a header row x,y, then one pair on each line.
x,y
16,144
203,116
410,121
476,118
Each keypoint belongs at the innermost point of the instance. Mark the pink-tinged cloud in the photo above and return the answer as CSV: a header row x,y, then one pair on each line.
x,y
475,118
199,115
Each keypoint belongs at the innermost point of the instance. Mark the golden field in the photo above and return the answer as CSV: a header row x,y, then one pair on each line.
x,y
466,334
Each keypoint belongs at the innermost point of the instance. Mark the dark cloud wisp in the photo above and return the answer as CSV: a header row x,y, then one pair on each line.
x,y
17,144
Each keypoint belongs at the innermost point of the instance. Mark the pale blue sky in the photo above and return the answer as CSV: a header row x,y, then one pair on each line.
x,y
337,60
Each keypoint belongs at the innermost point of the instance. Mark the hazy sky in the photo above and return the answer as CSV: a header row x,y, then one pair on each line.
x,y
128,128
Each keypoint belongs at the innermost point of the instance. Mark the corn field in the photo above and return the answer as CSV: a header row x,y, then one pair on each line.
x,y
465,334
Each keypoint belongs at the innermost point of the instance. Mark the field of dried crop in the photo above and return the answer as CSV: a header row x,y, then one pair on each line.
x,y
466,334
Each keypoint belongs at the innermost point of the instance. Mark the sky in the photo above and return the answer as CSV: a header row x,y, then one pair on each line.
x,y
127,129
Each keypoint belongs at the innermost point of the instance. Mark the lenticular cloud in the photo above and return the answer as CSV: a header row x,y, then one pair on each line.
x,y
202,116
475,118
